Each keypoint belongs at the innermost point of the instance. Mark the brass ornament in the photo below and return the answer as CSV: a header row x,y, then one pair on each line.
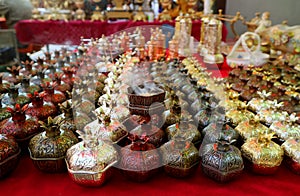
x,y
262,151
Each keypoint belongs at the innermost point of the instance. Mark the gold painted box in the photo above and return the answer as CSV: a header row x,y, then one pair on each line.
x,y
262,155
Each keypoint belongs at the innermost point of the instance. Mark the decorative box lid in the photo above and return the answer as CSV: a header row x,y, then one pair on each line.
x,y
95,159
249,129
42,146
285,130
53,142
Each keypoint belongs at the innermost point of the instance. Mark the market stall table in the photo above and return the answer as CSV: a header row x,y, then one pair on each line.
x,y
28,180
69,33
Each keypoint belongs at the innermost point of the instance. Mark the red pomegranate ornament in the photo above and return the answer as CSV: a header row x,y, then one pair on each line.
x,y
14,71
21,126
40,108
68,76
28,69
52,95
61,85
140,160
156,136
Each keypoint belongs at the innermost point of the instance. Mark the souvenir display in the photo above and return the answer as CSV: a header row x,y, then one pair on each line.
x,y
111,130
40,108
212,43
250,54
239,114
13,96
14,72
286,129
67,114
52,95
172,116
3,84
250,128
3,110
211,133
28,69
142,106
186,129
26,86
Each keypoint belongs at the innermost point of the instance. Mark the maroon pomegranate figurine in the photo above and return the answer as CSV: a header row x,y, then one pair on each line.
x,y
61,85
53,95
27,69
140,160
68,76
156,136
21,126
14,72
40,108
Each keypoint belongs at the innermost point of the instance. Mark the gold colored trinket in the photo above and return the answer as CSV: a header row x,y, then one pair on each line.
x,y
257,104
264,154
286,129
268,116
239,115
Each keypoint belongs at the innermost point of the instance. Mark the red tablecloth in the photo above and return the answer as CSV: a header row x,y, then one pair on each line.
x,y
61,32
27,180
